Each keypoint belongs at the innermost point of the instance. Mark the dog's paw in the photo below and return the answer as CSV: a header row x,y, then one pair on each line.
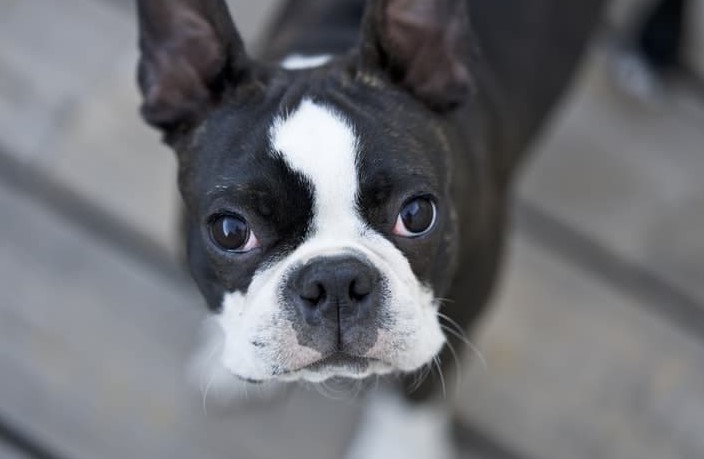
x,y
393,428
219,389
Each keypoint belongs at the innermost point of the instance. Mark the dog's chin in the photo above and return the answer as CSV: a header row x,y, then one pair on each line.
x,y
338,365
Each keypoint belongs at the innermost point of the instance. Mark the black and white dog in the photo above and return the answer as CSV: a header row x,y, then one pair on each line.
x,y
342,187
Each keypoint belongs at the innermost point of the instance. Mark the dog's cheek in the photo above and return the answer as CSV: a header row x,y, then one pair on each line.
x,y
241,350
411,335
202,269
444,265
415,337
260,341
433,259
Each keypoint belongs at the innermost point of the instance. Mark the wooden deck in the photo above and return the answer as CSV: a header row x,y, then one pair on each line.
x,y
594,349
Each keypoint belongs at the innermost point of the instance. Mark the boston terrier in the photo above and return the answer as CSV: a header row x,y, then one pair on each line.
x,y
346,193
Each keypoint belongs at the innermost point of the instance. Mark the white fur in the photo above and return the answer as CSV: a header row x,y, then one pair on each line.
x,y
321,145
217,386
300,61
391,428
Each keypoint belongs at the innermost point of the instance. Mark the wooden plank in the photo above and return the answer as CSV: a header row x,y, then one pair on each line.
x,y
51,55
627,175
16,445
6,452
107,154
72,108
75,114
577,369
93,344
694,45
93,349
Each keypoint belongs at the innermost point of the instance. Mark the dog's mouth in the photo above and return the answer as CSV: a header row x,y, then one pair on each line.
x,y
351,364
340,359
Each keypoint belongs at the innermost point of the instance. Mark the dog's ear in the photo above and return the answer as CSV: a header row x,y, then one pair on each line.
x,y
423,45
188,48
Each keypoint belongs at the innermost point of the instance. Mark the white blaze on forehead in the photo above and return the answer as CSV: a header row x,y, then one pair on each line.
x,y
321,145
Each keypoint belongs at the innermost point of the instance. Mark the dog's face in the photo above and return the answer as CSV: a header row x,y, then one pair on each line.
x,y
321,223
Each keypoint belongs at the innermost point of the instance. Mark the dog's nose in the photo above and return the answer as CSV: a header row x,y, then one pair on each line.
x,y
339,290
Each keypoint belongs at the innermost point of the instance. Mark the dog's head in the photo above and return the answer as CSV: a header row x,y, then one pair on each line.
x,y
322,227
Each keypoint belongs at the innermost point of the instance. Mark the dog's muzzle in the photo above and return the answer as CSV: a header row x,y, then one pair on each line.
x,y
334,303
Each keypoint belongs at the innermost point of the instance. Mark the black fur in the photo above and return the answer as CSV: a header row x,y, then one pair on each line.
x,y
453,124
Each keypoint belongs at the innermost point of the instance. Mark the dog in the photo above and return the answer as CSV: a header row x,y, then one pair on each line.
x,y
347,193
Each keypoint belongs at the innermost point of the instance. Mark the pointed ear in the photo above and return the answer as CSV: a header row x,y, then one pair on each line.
x,y
187,48
423,45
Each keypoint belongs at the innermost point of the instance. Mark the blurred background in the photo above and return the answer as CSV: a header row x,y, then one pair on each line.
x,y
595,344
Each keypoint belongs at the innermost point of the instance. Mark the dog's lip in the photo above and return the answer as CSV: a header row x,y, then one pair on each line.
x,y
336,359
339,359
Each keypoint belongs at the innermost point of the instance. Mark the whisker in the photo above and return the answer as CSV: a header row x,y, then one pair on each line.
x,y
208,363
319,390
419,377
458,368
472,347
445,300
335,389
452,322
459,334
205,392
436,361
246,386
454,333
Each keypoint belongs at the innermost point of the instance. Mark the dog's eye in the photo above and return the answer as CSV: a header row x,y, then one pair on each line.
x,y
417,217
232,233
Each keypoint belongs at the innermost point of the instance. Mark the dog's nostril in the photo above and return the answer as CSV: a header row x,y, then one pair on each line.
x,y
360,288
330,288
313,293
